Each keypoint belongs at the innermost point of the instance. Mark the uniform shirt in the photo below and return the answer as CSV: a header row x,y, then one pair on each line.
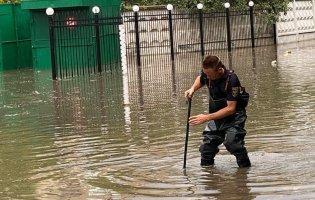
x,y
228,86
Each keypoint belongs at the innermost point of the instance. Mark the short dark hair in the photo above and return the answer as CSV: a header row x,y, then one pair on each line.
x,y
213,62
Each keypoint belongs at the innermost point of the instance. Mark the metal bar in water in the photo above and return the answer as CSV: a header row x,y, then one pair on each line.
x,y
110,46
67,52
70,46
274,27
228,29
83,36
77,50
94,50
52,48
59,45
98,46
86,37
202,47
108,42
73,49
106,50
251,15
92,46
137,38
171,34
112,41
117,42
81,67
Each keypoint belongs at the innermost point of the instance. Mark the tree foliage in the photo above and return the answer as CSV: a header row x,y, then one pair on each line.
x,y
271,8
9,1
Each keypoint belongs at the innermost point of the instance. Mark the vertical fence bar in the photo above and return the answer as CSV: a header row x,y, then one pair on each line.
x,y
274,33
68,61
296,27
136,15
59,47
77,52
63,58
228,29
98,45
170,24
52,47
72,50
230,57
313,6
252,33
202,44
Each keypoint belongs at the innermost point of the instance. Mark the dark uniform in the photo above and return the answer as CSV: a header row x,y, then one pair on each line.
x,y
229,130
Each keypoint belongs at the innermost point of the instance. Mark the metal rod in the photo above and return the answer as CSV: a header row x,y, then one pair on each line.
x,y
187,132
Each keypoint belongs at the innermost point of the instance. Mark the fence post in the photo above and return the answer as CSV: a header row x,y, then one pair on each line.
x,y
313,2
251,15
295,21
230,57
274,33
96,11
202,45
169,7
228,26
135,10
50,12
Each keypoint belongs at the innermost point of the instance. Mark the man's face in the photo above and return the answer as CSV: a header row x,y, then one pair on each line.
x,y
212,73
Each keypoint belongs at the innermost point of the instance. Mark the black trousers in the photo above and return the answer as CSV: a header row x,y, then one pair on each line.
x,y
232,138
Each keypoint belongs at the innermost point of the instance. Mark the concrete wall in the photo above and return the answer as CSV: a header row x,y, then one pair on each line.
x,y
298,24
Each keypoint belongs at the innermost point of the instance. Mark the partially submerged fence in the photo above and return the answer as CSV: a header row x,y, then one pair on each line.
x,y
82,43
157,33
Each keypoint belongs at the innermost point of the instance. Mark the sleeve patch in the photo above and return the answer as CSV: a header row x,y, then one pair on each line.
x,y
235,91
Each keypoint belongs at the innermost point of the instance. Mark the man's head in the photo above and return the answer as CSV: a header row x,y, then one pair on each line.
x,y
213,67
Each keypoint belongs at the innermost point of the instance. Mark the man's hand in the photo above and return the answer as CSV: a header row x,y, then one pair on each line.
x,y
189,93
199,119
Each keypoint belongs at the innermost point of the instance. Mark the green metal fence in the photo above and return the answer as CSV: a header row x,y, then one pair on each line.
x,y
83,43
15,37
69,45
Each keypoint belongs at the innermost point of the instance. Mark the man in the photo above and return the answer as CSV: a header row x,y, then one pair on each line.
x,y
227,114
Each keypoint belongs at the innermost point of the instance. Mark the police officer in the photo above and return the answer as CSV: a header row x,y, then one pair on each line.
x,y
227,114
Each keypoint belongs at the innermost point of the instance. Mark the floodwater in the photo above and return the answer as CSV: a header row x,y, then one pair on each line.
x,y
116,136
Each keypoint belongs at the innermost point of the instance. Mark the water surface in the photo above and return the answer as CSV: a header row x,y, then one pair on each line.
x,y
118,136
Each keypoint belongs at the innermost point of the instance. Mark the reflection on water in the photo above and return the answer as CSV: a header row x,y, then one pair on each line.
x,y
121,135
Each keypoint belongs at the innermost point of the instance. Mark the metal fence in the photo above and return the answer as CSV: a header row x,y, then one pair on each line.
x,y
83,44
152,35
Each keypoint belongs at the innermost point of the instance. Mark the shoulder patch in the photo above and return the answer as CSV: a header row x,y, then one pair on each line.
x,y
235,91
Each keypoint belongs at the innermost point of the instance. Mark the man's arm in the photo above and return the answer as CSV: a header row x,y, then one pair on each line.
x,y
230,109
196,86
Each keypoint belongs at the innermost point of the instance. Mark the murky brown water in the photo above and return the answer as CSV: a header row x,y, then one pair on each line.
x,y
98,138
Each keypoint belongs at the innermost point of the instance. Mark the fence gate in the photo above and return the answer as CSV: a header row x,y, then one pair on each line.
x,y
83,43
